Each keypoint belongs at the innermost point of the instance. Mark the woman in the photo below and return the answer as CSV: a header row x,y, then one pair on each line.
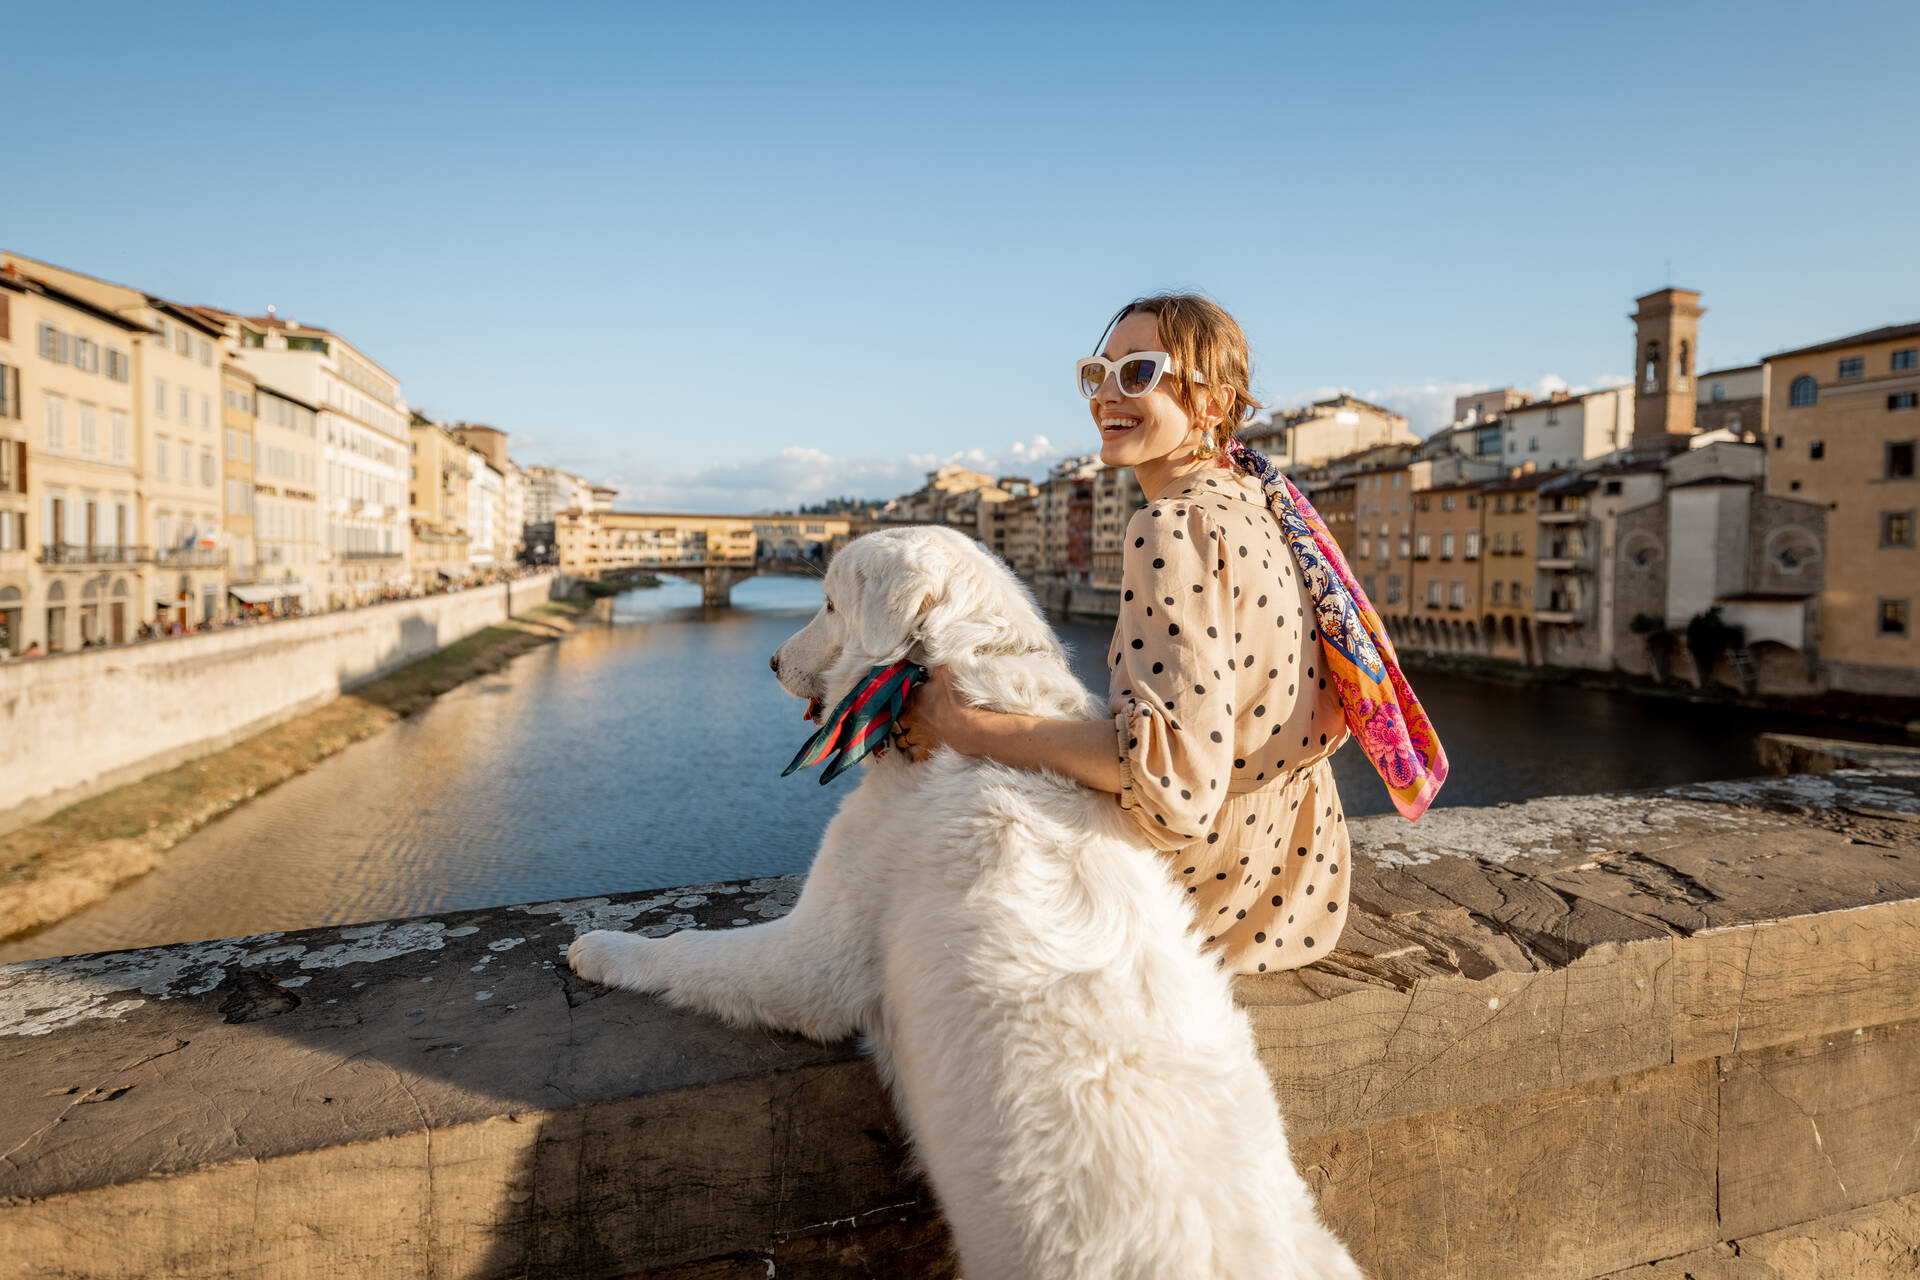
x,y
1243,651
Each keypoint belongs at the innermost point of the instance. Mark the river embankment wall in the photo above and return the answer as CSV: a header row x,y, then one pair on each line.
x,y
75,725
1631,1037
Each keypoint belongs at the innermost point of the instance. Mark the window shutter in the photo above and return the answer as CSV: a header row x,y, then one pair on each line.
x,y
6,318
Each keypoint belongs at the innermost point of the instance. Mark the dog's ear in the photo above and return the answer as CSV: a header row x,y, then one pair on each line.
x,y
896,595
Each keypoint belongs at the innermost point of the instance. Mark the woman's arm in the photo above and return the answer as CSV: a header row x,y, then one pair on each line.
x,y
1079,749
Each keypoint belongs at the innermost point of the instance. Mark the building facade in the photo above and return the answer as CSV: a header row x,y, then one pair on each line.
x,y
1566,431
1844,427
438,504
289,517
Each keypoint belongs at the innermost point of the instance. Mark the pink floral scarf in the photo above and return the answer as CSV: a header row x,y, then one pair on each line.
x,y
1379,704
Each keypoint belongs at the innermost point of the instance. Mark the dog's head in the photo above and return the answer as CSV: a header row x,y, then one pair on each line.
x,y
926,593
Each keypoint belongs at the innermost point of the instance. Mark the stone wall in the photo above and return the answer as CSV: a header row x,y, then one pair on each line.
x,y
76,724
1570,1038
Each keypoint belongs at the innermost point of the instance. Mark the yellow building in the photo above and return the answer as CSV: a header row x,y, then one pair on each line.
x,y
1510,533
592,542
1845,423
437,480
71,571
174,439
237,398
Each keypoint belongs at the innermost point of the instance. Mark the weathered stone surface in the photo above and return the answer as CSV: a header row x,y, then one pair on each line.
x,y
1880,1242
1545,1060
1565,1183
1819,1126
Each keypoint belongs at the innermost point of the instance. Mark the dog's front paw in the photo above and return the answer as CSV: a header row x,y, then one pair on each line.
x,y
611,959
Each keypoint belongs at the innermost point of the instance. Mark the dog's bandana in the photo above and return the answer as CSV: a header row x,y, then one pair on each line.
x,y
1378,703
860,725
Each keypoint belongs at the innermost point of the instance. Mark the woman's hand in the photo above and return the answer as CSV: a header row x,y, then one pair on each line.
x,y
935,717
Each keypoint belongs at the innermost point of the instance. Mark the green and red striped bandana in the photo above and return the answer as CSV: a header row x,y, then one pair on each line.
x,y
860,725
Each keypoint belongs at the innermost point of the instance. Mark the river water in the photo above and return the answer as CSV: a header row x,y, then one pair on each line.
x,y
648,752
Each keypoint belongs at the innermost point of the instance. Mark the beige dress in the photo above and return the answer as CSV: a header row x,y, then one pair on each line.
x,y
1226,722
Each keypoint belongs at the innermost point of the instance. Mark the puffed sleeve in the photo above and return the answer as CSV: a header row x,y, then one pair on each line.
x,y
1172,690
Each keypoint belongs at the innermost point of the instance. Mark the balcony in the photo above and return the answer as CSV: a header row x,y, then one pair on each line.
x,y
1564,563
190,557
367,555
1563,517
76,556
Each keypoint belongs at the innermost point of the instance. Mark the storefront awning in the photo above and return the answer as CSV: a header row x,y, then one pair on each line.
x,y
261,592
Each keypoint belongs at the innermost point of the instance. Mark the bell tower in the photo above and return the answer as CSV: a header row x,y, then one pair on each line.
x,y
1666,332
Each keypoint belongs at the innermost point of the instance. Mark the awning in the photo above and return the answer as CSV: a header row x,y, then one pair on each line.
x,y
258,592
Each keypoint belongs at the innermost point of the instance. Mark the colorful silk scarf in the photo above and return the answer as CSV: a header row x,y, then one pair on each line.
x,y
1378,703
860,725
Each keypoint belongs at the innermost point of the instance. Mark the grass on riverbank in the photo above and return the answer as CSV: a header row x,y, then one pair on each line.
x,y
55,868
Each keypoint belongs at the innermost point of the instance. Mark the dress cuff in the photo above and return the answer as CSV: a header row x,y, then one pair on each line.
x,y
1124,735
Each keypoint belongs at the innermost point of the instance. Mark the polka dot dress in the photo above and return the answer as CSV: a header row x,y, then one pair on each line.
x,y
1226,723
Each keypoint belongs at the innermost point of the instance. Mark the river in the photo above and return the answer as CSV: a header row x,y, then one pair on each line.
x,y
648,752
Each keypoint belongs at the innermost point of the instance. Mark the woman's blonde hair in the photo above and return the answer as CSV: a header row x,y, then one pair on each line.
x,y
1202,338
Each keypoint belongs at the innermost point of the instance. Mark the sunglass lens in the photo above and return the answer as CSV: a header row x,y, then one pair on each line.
x,y
1137,375
1092,374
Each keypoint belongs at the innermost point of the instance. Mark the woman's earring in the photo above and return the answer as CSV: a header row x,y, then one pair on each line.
x,y
1205,450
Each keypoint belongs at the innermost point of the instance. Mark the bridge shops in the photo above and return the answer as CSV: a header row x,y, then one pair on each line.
x,y
715,550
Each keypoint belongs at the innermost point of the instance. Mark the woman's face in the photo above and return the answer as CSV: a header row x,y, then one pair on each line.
x,y
1137,429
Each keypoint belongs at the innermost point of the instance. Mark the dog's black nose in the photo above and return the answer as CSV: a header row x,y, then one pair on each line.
x,y
773,664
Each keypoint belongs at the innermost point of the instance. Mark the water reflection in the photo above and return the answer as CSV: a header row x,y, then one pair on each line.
x,y
648,753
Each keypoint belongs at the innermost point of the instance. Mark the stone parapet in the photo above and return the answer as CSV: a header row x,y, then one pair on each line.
x,y
1566,1038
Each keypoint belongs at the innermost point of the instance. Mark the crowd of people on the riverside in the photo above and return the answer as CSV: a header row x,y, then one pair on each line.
x,y
166,625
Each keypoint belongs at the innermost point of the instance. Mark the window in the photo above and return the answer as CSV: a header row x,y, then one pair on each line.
x,y
1908,359
86,355
56,425
232,447
1494,592
1456,595
160,457
1816,450
1433,593
1393,588
206,467
1533,444
1499,505
1612,489
206,411
1499,547
159,397
206,352
1896,528
85,420
53,344
1513,592
1903,400
186,463
1366,544
1900,460
1893,617
1719,392
1853,366
9,392
1513,446
117,435
1446,546
182,342
1473,544
1423,546
1803,392
118,368
1446,502
186,406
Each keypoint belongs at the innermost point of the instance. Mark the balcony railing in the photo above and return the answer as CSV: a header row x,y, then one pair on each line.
x,y
190,557
1562,517
367,555
69,553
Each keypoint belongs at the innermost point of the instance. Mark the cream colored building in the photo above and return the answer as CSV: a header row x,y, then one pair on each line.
x,y
592,542
289,518
72,566
363,430
177,384
1844,422
1566,431
485,498
552,492
511,514
1325,430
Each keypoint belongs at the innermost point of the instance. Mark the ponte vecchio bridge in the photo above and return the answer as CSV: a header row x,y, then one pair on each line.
x,y
716,551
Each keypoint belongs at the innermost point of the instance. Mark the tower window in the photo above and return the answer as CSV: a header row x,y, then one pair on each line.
x,y
1804,391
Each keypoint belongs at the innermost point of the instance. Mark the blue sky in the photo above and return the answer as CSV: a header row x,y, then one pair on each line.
x,y
734,256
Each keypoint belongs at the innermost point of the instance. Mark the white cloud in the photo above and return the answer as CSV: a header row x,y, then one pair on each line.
x,y
797,474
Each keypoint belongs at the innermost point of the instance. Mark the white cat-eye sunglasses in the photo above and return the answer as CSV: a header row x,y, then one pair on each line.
x,y
1135,374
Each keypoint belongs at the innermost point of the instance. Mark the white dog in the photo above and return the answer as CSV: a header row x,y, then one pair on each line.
x,y
1081,1090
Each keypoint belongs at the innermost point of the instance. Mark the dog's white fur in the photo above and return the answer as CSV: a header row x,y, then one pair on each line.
x,y
1081,1090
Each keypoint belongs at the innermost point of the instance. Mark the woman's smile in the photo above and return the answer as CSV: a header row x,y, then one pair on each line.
x,y
1114,425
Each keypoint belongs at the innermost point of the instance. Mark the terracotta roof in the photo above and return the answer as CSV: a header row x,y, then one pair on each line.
x,y
1887,333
